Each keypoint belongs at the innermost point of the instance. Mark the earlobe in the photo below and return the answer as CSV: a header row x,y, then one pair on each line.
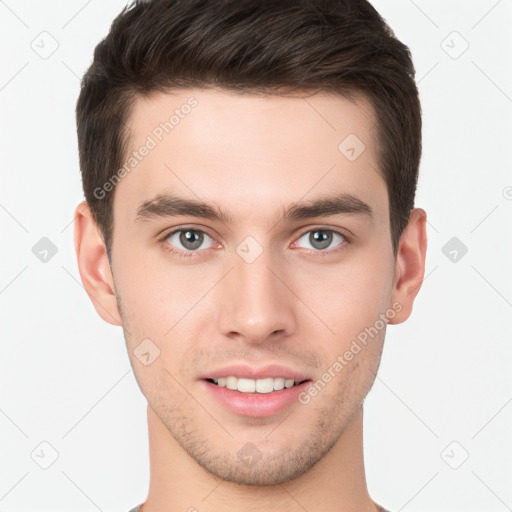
x,y
410,264
93,265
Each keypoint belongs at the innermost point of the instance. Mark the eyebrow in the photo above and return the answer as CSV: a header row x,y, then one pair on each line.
x,y
171,205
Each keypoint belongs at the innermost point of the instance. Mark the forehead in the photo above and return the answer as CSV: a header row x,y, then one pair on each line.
x,y
215,145
202,115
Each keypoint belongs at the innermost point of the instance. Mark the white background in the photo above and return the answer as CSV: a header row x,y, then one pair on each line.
x,y
444,389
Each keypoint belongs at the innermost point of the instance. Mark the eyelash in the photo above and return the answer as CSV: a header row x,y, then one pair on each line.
x,y
188,254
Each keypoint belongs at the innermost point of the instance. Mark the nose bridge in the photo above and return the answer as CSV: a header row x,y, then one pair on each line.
x,y
255,301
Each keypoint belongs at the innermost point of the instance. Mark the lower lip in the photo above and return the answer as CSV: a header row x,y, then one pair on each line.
x,y
256,405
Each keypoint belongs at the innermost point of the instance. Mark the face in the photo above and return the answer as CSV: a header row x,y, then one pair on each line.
x,y
266,274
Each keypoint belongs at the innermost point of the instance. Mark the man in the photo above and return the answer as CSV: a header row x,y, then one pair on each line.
x,y
249,170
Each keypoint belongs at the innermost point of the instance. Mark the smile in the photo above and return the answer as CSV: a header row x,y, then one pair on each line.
x,y
243,385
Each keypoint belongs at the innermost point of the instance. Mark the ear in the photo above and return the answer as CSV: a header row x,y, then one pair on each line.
x,y
410,264
93,265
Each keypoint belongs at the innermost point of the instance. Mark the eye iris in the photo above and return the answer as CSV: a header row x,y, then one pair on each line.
x,y
324,239
193,238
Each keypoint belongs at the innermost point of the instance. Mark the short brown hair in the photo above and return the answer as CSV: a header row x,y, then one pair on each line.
x,y
250,46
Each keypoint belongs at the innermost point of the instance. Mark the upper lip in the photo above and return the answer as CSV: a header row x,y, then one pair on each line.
x,y
252,372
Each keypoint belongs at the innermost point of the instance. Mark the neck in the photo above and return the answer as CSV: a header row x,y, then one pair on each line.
x,y
336,483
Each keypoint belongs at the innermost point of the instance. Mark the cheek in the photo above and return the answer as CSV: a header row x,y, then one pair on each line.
x,y
162,305
349,297
155,295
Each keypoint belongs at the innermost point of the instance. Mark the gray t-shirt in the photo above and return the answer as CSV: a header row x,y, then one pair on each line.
x,y
138,509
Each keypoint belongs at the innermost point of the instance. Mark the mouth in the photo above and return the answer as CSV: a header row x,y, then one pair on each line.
x,y
258,392
256,386
256,398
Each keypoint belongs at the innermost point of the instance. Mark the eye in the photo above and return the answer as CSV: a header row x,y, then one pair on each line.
x,y
320,239
187,241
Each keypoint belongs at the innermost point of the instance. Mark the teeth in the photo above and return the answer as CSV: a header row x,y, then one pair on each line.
x,y
246,385
288,383
232,383
279,383
266,385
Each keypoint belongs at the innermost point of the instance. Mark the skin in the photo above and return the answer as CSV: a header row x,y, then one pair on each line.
x,y
296,304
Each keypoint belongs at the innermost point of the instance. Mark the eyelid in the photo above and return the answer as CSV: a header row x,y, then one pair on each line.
x,y
166,233
339,231
204,229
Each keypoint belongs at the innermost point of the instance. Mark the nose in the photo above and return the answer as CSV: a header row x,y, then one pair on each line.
x,y
257,301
